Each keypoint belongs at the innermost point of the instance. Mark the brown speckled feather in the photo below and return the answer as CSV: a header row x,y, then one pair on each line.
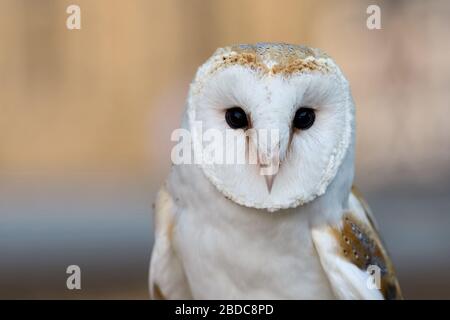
x,y
362,246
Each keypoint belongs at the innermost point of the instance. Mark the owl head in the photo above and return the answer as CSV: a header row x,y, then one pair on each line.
x,y
290,105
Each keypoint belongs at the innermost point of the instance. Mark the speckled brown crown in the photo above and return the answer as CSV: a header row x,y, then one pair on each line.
x,y
275,58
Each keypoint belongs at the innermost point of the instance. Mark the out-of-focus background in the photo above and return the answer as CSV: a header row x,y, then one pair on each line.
x,y
86,117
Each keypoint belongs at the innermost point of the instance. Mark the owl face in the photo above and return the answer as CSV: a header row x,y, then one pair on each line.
x,y
290,106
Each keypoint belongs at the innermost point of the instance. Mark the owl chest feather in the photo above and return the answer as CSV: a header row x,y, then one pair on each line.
x,y
229,251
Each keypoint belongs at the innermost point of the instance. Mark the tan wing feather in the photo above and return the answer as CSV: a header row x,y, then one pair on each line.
x,y
362,245
349,248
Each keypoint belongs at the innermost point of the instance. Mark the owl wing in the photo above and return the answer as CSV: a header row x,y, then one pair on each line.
x,y
167,277
352,249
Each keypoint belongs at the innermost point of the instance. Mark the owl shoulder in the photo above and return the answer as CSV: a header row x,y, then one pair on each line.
x,y
167,277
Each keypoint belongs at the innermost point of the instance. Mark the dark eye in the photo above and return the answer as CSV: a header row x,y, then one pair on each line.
x,y
304,118
236,118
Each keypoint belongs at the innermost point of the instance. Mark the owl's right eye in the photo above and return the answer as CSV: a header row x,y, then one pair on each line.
x,y
236,118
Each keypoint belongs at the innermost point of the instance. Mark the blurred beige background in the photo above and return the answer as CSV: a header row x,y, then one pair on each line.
x,y
86,117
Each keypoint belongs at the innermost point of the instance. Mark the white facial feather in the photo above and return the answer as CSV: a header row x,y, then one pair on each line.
x,y
310,159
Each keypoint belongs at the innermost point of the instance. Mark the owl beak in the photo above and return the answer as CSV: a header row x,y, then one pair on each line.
x,y
269,182
270,172
269,160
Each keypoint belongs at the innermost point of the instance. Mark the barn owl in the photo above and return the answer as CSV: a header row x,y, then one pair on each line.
x,y
227,231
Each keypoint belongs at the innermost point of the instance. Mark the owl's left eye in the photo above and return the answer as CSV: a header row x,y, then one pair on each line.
x,y
236,118
304,118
